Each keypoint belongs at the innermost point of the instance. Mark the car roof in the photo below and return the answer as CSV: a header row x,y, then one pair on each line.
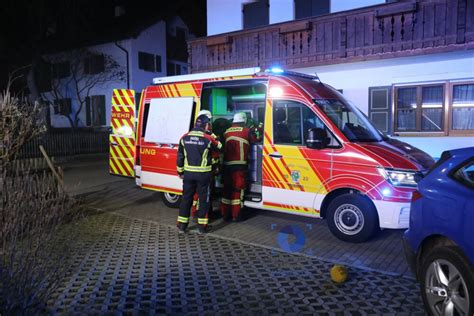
x,y
462,152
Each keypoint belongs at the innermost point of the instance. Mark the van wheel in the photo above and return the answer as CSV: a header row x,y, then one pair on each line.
x,y
171,200
352,218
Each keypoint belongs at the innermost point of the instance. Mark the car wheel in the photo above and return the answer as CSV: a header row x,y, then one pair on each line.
x,y
171,200
352,218
447,282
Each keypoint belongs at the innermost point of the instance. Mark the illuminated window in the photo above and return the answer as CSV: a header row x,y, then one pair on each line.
x,y
445,107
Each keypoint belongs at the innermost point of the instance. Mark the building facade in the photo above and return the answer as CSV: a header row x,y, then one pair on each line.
x,y
408,65
137,59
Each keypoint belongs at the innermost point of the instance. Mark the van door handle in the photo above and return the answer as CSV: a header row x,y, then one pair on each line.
x,y
276,155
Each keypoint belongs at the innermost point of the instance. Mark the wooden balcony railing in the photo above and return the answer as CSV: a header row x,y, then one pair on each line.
x,y
404,28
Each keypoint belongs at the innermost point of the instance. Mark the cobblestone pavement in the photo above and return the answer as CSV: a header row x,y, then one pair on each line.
x,y
137,266
382,253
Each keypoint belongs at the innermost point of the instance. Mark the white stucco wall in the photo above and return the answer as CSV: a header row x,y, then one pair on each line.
x,y
153,41
356,78
224,16
281,11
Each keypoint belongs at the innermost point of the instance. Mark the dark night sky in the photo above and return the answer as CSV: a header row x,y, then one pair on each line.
x,y
26,24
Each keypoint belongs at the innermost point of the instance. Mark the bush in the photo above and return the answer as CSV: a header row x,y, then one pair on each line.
x,y
37,229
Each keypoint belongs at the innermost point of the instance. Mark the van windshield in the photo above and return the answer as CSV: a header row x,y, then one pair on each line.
x,y
350,120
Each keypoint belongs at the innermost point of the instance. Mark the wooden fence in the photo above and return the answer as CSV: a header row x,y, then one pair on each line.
x,y
67,143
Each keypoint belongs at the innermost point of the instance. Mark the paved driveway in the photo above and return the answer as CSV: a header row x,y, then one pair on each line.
x,y
132,260
135,266
263,228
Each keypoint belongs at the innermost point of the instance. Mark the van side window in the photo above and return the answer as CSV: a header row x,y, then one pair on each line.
x,y
291,122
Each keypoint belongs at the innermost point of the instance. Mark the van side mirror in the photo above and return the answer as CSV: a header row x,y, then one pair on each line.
x,y
317,138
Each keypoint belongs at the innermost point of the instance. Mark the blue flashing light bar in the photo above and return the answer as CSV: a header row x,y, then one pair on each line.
x,y
277,70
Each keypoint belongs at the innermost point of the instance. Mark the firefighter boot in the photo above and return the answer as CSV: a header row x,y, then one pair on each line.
x,y
182,227
203,229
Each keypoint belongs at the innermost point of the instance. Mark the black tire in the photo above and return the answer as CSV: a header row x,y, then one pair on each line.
x,y
352,218
171,200
443,257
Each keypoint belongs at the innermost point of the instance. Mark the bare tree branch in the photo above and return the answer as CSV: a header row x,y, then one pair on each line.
x,y
78,85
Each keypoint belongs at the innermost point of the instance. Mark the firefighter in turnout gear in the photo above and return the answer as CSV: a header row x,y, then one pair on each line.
x,y
215,170
194,166
237,143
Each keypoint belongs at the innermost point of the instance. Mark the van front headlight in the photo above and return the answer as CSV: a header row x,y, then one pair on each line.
x,y
399,178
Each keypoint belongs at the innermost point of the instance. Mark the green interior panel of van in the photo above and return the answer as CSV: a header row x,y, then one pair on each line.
x,y
219,101
249,97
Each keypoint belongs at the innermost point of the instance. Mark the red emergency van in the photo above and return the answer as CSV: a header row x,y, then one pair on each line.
x,y
320,156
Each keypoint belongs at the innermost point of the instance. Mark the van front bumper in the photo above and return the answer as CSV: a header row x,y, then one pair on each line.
x,y
394,215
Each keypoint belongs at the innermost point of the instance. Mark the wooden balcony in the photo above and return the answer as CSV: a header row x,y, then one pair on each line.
x,y
404,28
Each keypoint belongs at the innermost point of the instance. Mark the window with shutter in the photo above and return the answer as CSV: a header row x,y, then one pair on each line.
x,y
309,8
255,14
380,109
146,61
158,63
94,64
63,106
95,110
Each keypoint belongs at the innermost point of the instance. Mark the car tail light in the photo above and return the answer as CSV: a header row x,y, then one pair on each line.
x,y
415,195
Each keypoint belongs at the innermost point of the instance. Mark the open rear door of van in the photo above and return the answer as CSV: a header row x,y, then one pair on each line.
x,y
122,139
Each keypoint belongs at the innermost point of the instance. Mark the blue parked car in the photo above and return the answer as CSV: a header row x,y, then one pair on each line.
x,y
439,244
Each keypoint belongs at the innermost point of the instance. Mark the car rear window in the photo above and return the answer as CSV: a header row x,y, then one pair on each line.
x,y
465,174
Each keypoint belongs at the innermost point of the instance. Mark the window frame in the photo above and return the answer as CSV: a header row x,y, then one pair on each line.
x,y
448,87
419,109
451,131
143,61
247,5
92,112
303,141
63,107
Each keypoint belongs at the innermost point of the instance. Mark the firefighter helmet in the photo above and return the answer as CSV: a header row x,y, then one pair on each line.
x,y
240,117
206,113
202,120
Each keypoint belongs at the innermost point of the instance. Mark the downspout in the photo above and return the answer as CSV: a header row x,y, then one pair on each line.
x,y
128,66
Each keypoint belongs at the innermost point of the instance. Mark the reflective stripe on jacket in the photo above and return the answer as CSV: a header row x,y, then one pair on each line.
x,y
237,142
195,151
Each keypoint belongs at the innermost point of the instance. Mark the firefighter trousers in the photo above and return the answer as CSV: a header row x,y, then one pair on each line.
x,y
195,206
195,182
233,193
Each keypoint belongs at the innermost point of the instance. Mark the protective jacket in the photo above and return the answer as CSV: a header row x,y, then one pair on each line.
x,y
195,151
236,150
237,144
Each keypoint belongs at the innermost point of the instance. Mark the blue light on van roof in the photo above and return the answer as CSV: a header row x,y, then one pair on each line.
x,y
276,70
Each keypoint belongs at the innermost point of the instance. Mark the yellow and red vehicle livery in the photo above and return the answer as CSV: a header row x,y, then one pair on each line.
x,y
122,138
341,183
